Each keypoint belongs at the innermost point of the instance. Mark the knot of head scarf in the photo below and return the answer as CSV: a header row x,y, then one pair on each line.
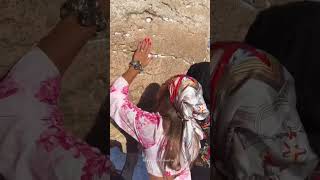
x,y
187,98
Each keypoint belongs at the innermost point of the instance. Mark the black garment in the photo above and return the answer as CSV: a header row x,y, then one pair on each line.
x,y
291,33
201,72
98,133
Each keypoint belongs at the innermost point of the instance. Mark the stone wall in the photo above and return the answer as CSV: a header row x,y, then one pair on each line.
x,y
179,30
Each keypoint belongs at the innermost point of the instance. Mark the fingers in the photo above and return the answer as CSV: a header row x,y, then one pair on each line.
x,y
139,46
143,52
148,48
145,44
144,47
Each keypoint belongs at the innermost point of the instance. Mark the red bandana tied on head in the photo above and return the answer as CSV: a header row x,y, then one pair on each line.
x,y
187,98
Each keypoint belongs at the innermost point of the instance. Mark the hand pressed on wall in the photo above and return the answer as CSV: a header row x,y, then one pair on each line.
x,y
142,52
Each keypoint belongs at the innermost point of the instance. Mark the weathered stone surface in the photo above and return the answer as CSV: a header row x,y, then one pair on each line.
x,y
179,30
22,24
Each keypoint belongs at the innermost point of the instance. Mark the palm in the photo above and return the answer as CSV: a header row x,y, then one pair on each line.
x,y
142,52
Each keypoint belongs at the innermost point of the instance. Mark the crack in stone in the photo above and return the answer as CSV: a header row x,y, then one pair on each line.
x,y
154,14
171,56
168,5
146,11
164,56
187,17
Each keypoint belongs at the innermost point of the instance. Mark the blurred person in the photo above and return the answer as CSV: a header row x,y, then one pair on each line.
x,y
256,132
34,143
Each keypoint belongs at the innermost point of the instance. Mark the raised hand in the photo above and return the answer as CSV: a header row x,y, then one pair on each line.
x,y
142,52
141,55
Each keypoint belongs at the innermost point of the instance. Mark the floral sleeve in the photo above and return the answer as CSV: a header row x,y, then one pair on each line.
x,y
139,124
34,142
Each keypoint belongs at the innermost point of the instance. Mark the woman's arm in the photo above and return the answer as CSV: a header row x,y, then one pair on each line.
x,y
139,124
64,42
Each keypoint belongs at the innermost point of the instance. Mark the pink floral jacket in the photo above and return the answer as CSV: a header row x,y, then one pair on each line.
x,y
33,142
143,126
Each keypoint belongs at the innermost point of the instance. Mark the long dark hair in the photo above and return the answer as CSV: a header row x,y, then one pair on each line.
x,y
173,127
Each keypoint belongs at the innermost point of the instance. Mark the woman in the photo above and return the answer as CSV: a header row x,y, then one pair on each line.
x,y
171,137
257,131
33,141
